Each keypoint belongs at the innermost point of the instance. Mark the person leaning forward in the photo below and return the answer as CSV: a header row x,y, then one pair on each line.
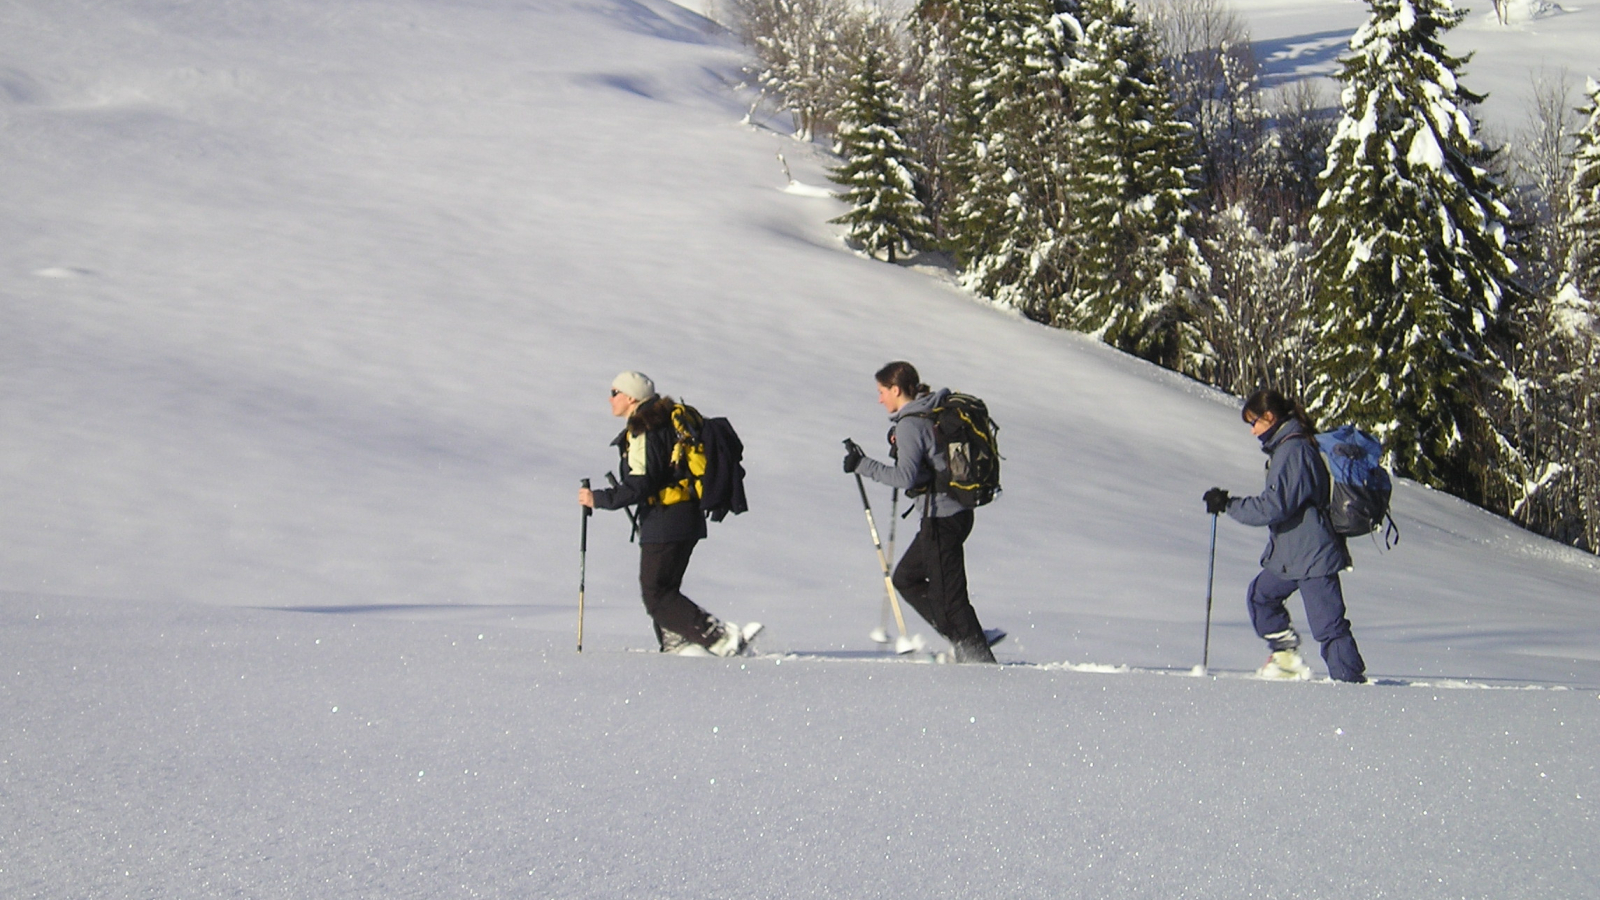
x,y
669,520
932,575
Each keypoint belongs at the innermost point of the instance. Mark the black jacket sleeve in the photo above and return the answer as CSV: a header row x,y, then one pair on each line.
x,y
637,489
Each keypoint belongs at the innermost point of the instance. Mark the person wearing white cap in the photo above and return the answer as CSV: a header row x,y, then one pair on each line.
x,y
669,520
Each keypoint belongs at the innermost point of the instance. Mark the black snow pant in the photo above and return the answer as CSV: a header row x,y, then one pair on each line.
x,y
932,576
661,570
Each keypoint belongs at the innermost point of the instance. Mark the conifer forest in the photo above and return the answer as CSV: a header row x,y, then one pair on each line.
x,y
1118,169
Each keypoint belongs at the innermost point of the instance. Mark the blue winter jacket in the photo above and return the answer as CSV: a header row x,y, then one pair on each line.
x,y
917,456
1302,543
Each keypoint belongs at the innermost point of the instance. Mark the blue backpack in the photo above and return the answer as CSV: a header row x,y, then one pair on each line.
x,y
1359,501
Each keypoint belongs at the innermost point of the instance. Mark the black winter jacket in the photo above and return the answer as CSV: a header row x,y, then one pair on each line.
x,y
652,424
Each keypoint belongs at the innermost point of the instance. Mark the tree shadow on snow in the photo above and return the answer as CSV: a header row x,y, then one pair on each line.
x,y
664,20
637,85
1302,56
379,608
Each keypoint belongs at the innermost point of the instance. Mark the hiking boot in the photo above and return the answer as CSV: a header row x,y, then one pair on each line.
x,y
673,642
1285,665
973,650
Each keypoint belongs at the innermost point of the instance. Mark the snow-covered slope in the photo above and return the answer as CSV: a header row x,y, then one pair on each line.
x,y
310,310
1542,40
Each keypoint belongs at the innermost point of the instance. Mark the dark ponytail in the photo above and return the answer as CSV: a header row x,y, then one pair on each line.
x,y
903,375
1281,407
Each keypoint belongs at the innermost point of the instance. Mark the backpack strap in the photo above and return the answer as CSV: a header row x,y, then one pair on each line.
x,y
1322,505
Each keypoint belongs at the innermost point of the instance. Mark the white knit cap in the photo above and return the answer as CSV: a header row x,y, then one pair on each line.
x,y
635,384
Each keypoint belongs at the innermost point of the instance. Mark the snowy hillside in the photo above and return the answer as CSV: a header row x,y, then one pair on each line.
x,y
310,308
1305,38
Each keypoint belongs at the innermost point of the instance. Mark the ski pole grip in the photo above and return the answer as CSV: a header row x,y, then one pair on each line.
x,y
587,511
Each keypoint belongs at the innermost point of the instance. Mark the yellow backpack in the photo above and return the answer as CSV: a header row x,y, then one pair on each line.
x,y
688,459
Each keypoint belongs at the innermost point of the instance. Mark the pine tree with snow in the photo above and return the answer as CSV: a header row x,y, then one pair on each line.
x,y
1258,320
1574,329
1581,269
1008,219
1139,273
1002,133
933,29
1413,263
880,174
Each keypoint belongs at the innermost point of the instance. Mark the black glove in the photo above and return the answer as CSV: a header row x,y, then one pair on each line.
x,y
853,455
1216,501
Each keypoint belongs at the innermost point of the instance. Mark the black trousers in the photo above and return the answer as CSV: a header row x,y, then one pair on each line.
x,y
932,576
661,570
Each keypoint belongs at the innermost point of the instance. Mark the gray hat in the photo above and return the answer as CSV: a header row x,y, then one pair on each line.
x,y
635,384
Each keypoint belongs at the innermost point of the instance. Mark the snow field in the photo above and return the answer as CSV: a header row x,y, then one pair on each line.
x,y
278,753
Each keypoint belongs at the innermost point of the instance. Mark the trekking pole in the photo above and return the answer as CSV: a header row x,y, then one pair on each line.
x,y
894,519
1211,569
904,644
583,564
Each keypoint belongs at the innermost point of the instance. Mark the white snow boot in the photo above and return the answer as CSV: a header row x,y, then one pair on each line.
x,y
1285,665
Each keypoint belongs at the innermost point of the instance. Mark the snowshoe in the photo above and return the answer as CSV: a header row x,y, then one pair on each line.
x,y
1285,665
902,644
734,640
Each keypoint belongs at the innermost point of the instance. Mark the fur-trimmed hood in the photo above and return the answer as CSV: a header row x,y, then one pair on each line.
x,y
651,415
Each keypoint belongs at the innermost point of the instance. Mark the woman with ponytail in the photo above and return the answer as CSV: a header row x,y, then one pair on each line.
x,y
1303,552
932,575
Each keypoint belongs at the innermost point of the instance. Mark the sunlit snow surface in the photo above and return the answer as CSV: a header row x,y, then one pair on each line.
x,y
309,310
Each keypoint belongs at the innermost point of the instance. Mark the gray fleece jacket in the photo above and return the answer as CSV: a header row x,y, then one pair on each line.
x,y
917,455
1302,543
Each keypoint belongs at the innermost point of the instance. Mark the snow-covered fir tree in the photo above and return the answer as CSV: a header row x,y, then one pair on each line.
x,y
879,175
1139,272
990,66
1259,320
1010,217
1005,221
1575,327
1581,269
1413,262
935,81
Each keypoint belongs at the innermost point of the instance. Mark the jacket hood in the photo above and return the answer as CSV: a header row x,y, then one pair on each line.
x,y
923,404
1279,433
